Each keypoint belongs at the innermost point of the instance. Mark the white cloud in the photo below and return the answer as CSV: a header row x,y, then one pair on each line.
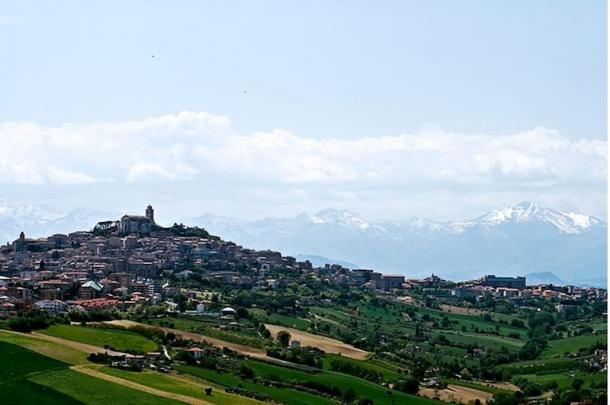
x,y
62,176
199,148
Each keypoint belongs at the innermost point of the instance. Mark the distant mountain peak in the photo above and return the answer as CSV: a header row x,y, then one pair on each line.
x,y
340,217
528,211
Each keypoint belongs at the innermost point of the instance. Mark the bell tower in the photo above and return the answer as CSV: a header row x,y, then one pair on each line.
x,y
150,214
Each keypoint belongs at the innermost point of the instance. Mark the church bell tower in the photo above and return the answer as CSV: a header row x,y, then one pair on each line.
x,y
150,214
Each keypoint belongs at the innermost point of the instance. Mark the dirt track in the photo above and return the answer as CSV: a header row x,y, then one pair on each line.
x,y
460,310
130,384
83,347
196,337
322,342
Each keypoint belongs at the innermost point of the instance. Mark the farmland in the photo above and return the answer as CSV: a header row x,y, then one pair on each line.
x,y
28,377
115,339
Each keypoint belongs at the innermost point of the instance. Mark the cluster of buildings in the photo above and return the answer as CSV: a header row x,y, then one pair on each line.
x,y
121,264
517,289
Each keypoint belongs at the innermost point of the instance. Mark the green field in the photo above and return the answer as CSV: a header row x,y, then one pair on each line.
x,y
180,385
387,371
558,348
50,349
210,329
564,380
288,396
27,377
363,388
116,339
283,320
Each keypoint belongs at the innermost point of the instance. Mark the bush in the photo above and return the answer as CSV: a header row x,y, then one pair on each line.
x,y
410,385
29,321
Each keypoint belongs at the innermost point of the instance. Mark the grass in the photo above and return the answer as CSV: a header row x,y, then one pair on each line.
x,y
364,389
474,321
564,380
283,320
180,385
116,339
27,377
49,349
558,348
388,372
484,341
288,396
90,390
209,329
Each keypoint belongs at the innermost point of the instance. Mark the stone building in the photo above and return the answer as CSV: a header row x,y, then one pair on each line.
x,y
137,224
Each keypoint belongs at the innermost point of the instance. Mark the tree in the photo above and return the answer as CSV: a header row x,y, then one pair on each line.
x,y
577,384
181,300
283,338
246,372
349,395
410,385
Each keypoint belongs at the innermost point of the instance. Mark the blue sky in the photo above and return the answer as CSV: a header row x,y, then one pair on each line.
x,y
320,71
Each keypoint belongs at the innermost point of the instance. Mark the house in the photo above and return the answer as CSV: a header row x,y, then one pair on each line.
x,y
90,290
196,352
51,306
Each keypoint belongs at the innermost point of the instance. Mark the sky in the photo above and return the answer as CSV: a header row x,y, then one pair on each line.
x,y
440,109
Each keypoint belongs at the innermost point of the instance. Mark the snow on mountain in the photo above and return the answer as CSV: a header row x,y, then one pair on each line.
x,y
44,220
527,211
519,239
339,217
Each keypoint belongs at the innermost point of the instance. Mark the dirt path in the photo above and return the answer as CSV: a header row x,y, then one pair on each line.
x,y
456,393
135,386
83,347
327,344
452,309
503,386
196,337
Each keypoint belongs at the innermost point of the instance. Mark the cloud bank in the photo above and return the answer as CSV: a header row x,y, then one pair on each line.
x,y
200,148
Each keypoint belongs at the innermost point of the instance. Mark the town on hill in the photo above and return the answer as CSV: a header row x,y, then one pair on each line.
x,y
176,314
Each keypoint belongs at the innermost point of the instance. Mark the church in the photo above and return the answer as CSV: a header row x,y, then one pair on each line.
x,y
142,225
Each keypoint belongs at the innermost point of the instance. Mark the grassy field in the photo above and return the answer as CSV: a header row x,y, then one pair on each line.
x,y
564,380
116,339
363,388
181,385
388,372
27,377
49,349
558,348
210,329
284,320
288,396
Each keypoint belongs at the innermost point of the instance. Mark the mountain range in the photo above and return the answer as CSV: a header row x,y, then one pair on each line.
x,y
44,220
523,239
544,244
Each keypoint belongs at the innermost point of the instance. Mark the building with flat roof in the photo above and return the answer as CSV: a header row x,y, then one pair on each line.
x,y
503,282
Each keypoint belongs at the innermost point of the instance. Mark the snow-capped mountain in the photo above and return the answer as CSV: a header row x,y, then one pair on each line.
x,y
519,239
527,211
44,220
